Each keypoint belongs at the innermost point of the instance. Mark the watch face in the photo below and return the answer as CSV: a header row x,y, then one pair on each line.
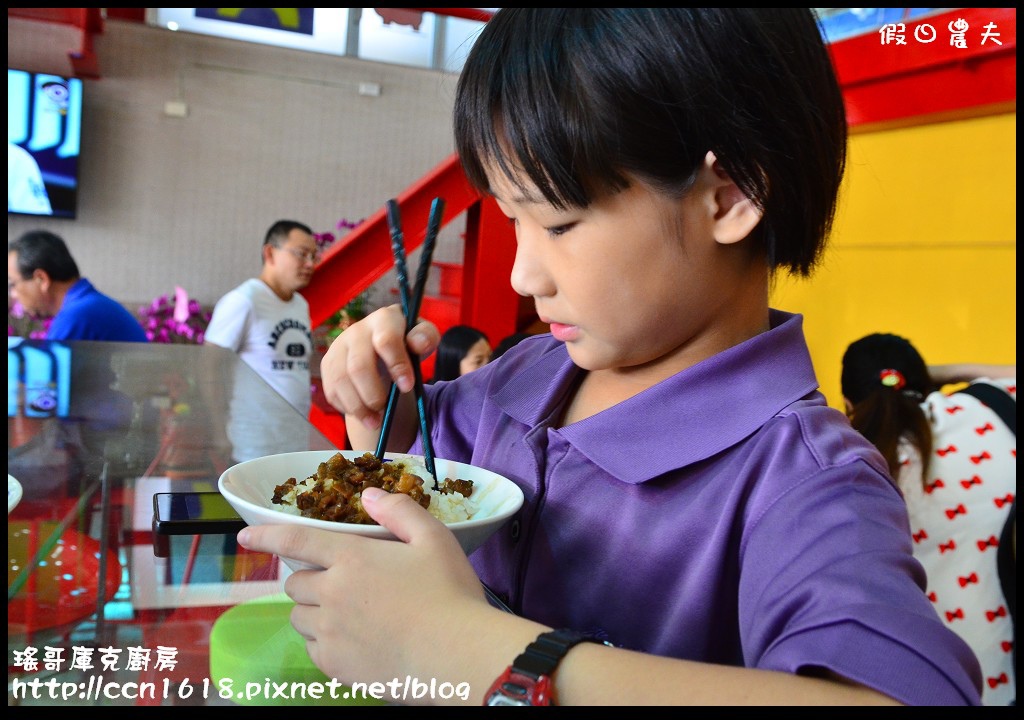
x,y
516,688
500,699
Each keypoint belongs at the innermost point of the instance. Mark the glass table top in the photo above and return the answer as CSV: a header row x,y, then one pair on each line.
x,y
100,610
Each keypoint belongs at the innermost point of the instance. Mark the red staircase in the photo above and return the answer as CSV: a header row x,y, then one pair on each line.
x,y
476,293
445,308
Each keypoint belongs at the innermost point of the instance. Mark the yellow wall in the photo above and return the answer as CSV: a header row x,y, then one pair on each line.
x,y
925,246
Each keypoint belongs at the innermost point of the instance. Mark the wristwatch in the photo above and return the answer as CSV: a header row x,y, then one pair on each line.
x,y
527,681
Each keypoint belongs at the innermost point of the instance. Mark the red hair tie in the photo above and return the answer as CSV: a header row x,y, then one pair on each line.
x,y
892,379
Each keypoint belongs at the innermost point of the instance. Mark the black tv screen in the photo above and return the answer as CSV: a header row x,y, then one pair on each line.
x,y
44,133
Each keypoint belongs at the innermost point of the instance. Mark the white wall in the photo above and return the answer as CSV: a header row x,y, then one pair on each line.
x,y
271,133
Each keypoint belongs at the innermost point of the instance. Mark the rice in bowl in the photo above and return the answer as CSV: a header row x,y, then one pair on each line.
x,y
334,491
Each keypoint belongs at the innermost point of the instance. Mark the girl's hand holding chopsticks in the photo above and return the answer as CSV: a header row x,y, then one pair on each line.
x,y
361,364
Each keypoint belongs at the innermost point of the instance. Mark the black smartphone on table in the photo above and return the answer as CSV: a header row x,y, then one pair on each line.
x,y
194,513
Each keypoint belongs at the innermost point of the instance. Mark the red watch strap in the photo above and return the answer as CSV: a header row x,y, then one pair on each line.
x,y
528,680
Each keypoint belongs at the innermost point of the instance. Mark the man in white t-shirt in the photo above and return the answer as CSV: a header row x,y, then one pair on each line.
x,y
26,192
266,321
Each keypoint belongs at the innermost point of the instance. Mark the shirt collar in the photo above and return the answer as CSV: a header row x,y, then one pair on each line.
x,y
81,286
684,419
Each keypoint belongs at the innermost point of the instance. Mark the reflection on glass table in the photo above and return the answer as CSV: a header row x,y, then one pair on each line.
x,y
97,609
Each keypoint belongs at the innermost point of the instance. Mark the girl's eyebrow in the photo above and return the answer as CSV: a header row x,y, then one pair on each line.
x,y
521,198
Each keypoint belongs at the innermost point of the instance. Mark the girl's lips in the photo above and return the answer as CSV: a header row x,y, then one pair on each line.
x,y
563,333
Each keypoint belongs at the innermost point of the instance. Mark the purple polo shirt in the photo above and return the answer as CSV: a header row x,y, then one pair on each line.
x,y
725,515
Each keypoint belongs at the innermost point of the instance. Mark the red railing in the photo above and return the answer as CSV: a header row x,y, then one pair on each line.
x,y
364,255
486,299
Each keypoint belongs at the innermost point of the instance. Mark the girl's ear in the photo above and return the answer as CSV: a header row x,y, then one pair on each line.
x,y
848,405
735,215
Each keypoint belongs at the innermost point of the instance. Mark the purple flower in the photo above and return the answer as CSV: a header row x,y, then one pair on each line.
x,y
181,320
325,240
21,323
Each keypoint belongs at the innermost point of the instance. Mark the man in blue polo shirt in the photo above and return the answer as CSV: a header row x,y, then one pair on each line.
x,y
44,278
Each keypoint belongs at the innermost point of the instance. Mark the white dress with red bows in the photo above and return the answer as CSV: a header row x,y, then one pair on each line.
x,y
956,517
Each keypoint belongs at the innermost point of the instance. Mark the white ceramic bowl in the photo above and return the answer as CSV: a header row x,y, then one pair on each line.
x,y
249,487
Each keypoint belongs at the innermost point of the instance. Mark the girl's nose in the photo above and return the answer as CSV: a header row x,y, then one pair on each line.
x,y
529,277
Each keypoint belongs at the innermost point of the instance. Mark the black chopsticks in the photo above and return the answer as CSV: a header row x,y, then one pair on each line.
x,y
410,308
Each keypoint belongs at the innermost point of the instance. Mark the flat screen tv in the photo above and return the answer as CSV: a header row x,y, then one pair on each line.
x,y
44,133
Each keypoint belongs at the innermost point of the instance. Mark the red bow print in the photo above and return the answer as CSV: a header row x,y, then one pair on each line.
x,y
984,545
937,484
993,614
943,547
1012,389
965,581
942,452
1004,500
958,613
987,427
933,597
958,510
919,536
1001,680
976,459
1006,645
955,409
971,481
